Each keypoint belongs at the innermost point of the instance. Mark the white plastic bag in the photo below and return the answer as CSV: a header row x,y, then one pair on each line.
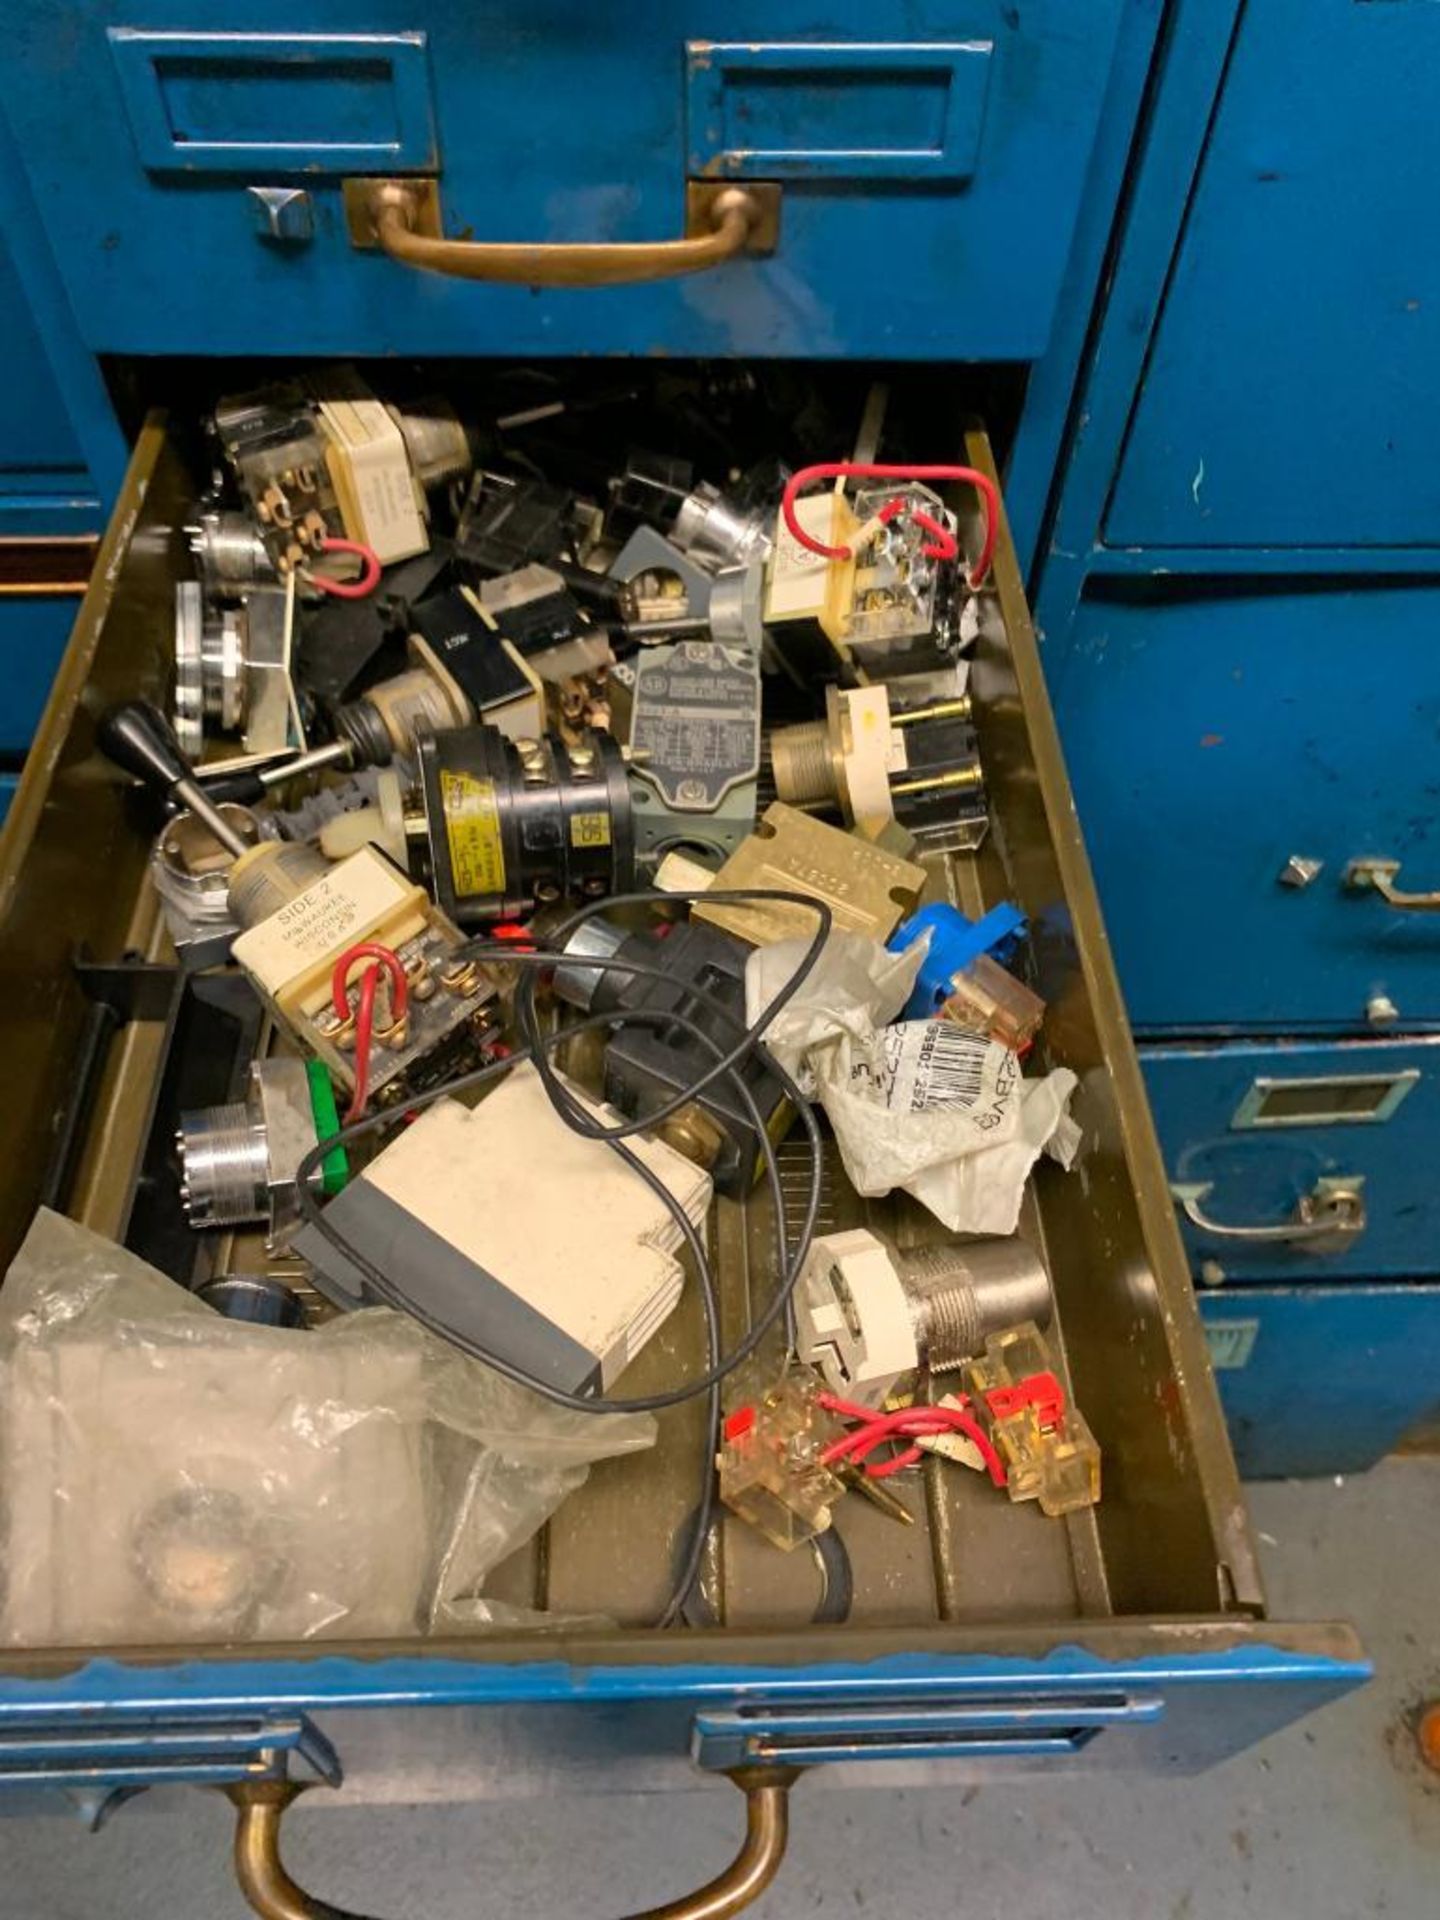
x,y
172,1475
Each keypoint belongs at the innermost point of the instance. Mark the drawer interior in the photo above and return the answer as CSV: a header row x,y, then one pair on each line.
x,y
1169,1537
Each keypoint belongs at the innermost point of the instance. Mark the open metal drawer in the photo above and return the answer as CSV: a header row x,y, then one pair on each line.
x,y
983,1637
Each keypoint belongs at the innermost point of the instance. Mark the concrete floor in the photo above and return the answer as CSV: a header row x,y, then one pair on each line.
x,y
1332,1820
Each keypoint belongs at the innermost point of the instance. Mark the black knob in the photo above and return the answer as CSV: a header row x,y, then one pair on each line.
x,y
138,737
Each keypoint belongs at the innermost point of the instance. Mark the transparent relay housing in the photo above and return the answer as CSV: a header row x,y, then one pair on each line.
x,y
986,998
1049,1452
771,1472
896,582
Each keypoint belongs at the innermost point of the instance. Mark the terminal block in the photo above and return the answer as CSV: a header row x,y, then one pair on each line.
x,y
1049,1452
771,1470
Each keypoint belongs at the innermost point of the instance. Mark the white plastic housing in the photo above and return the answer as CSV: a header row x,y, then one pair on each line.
x,y
852,1318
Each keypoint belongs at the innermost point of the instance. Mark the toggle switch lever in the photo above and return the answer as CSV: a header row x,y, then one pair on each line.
x,y
138,737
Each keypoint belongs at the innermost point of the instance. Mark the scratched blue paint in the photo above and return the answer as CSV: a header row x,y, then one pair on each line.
x,y
797,110
241,102
1291,395
555,124
1257,1175
1211,735
335,1681
1334,1376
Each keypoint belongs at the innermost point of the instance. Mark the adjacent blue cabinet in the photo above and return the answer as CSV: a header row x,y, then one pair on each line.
x,y
1239,592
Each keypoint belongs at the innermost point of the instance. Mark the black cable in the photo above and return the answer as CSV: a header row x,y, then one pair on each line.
x,y
538,1049
314,1216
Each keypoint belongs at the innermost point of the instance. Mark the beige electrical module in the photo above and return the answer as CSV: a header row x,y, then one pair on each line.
x,y
867,889
301,916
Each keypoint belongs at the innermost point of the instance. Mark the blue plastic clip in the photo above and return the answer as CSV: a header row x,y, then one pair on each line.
x,y
954,942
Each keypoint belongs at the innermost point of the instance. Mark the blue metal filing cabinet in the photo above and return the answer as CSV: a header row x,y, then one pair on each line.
x,y
930,158
1238,591
939,168
61,457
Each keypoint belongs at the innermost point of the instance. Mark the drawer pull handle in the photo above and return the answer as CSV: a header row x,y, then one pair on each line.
x,y
1326,1219
1379,876
260,1806
722,222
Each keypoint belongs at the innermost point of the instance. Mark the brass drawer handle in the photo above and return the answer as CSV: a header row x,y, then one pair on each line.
x,y
260,1806
1378,876
1326,1219
722,222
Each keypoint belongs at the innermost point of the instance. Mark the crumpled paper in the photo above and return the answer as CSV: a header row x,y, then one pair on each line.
x,y
921,1105
854,988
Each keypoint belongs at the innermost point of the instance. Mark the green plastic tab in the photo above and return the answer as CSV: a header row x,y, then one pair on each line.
x,y
335,1167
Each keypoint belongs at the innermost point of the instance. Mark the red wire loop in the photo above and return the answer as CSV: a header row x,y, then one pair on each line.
x,y
368,950
349,589
909,1423
382,959
855,470
364,1035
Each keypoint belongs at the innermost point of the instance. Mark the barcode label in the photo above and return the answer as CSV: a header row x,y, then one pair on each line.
x,y
923,1064
947,1066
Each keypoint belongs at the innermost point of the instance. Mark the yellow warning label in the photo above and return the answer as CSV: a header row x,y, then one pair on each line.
x,y
589,829
472,826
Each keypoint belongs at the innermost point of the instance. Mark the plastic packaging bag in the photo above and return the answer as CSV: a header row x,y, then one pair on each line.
x,y
172,1475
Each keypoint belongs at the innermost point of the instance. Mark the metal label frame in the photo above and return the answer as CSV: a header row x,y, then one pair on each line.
x,y
1250,1114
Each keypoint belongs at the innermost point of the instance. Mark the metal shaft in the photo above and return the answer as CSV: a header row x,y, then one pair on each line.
x,y
339,753
192,795
960,1295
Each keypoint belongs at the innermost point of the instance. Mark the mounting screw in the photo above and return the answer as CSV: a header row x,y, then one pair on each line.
x,y
1381,1010
1212,1274
1299,870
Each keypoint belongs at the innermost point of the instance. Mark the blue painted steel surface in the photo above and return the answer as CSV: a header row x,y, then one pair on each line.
x,y
1050,391
38,445
1210,736
545,1715
1330,1377
760,1736
8,784
59,441
1291,397
1259,404
1258,1174
276,102
572,125
116,1752
795,110
33,633
1168,150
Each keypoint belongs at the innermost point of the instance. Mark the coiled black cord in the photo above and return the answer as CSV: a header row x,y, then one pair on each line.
x,y
538,1048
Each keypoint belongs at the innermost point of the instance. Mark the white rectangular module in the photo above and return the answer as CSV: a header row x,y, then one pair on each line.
x,y
514,1230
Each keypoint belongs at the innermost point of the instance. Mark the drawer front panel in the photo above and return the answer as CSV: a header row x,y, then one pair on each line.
x,y
1211,738
1261,1128
1290,397
913,144
1323,1379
